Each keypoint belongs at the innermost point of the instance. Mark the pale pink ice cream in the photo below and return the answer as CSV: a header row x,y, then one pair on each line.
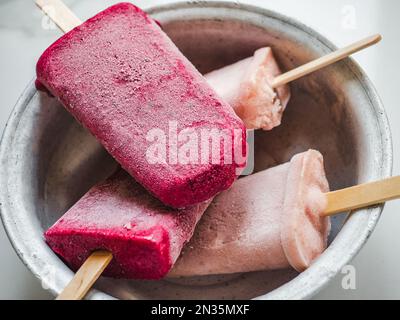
x,y
246,86
266,221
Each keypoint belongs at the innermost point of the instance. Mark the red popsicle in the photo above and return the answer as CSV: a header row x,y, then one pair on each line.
x,y
118,215
121,76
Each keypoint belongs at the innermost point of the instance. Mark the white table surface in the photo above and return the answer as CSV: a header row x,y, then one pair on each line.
x,y
23,39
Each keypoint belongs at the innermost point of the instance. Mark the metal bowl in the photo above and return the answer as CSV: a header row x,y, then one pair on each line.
x,y
48,161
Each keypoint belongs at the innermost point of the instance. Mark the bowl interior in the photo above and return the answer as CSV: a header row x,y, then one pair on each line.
x,y
309,122
329,111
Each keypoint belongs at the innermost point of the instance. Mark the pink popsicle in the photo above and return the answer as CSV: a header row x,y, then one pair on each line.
x,y
118,215
122,78
269,220
245,85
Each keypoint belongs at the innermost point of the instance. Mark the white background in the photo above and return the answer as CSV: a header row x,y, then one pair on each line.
x,y
23,38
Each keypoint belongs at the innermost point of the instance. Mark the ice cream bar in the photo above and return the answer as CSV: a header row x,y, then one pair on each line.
x,y
121,77
246,86
269,220
118,215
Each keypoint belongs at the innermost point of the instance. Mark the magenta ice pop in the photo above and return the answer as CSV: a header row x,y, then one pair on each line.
x,y
121,77
120,216
246,86
266,221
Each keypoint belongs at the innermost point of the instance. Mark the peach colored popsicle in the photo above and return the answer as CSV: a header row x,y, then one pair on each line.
x,y
269,220
246,86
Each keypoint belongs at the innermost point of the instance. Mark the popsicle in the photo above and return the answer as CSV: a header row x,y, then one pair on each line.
x,y
144,236
121,77
266,221
258,91
246,86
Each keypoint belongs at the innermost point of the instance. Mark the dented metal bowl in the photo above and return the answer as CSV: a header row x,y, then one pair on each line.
x,y
48,161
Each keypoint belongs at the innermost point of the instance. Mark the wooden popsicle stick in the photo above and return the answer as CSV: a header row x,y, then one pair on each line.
x,y
325,61
86,276
62,16
362,196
